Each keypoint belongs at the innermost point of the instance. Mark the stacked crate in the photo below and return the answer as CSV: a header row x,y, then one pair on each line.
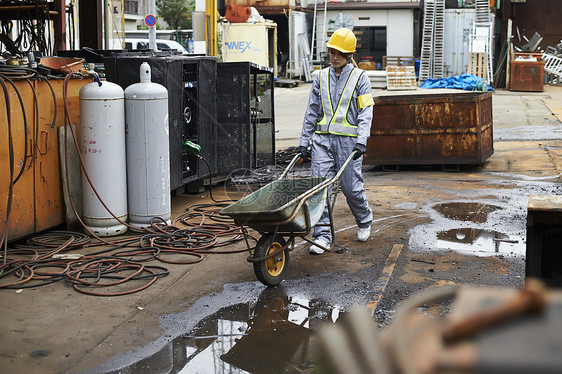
x,y
400,78
397,61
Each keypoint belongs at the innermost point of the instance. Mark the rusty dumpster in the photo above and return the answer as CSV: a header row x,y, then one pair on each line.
x,y
526,72
428,127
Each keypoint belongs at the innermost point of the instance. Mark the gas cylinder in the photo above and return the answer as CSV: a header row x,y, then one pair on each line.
x,y
102,144
148,150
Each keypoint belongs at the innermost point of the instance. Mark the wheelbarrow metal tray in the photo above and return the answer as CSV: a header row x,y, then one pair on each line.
x,y
284,203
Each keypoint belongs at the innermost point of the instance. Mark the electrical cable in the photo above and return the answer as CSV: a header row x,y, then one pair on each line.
x,y
11,167
107,269
198,247
18,267
36,145
44,79
10,46
211,182
56,238
34,28
9,74
25,123
19,73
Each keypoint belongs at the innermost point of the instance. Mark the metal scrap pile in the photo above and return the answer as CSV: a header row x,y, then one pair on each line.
x,y
552,56
527,45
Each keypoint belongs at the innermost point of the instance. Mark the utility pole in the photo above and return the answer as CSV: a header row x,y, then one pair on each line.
x,y
152,30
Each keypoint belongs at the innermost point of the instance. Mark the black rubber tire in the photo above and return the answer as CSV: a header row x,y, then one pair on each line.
x,y
271,271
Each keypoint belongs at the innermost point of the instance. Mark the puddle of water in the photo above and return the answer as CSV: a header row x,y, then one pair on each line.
x,y
270,335
480,241
467,212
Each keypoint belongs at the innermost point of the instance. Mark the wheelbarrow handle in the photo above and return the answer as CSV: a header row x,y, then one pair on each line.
x,y
336,177
326,182
291,165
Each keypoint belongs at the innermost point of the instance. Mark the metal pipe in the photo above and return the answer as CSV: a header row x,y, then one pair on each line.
x,y
314,34
106,25
325,23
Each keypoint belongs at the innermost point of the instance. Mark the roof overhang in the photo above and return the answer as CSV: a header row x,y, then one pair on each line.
x,y
349,5
368,5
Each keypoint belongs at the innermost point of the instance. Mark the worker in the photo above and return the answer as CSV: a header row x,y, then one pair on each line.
x,y
337,122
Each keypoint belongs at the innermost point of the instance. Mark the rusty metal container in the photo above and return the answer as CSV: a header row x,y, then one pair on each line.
x,y
525,74
37,198
425,127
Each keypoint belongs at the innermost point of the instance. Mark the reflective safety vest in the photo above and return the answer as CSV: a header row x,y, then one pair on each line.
x,y
335,121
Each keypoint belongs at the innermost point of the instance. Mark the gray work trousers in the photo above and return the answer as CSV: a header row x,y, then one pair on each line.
x,y
329,152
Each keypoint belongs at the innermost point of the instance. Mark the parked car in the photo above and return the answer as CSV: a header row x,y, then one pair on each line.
x,y
161,45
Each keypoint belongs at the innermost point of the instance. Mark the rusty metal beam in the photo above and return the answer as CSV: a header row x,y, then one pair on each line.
x,y
59,22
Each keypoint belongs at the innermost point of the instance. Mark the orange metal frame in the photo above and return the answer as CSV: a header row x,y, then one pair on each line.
x,y
37,199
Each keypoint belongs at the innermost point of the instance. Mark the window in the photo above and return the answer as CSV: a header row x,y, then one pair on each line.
x,y
162,46
371,41
131,6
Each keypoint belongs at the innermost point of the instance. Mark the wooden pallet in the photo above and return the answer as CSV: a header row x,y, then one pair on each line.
x,y
401,78
478,64
397,61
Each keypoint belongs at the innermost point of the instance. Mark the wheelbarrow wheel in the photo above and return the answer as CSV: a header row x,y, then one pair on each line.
x,y
271,271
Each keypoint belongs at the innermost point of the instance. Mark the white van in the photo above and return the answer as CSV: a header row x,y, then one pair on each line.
x,y
161,45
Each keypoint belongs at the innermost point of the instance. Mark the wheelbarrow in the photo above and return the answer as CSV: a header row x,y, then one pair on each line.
x,y
286,207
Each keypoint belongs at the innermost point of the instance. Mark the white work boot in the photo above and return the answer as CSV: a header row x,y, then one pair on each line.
x,y
363,234
316,250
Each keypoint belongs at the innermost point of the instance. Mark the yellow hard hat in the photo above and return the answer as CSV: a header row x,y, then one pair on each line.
x,y
343,40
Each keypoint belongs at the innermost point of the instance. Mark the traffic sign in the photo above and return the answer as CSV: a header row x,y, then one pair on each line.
x,y
150,20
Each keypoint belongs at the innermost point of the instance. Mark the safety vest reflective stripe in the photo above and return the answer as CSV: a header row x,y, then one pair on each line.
x,y
326,99
336,122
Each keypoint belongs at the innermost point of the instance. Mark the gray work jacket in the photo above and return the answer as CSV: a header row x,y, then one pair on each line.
x,y
360,117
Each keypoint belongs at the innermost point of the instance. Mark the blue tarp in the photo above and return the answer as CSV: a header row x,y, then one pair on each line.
x,y
467,82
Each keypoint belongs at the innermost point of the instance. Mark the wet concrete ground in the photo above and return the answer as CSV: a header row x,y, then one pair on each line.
x,y
431,228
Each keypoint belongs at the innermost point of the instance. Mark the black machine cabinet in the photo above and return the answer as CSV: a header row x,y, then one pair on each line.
x,y
245,114
191,84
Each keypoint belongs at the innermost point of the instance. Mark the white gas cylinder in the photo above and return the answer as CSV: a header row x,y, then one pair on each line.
x,y
102,144
148,150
